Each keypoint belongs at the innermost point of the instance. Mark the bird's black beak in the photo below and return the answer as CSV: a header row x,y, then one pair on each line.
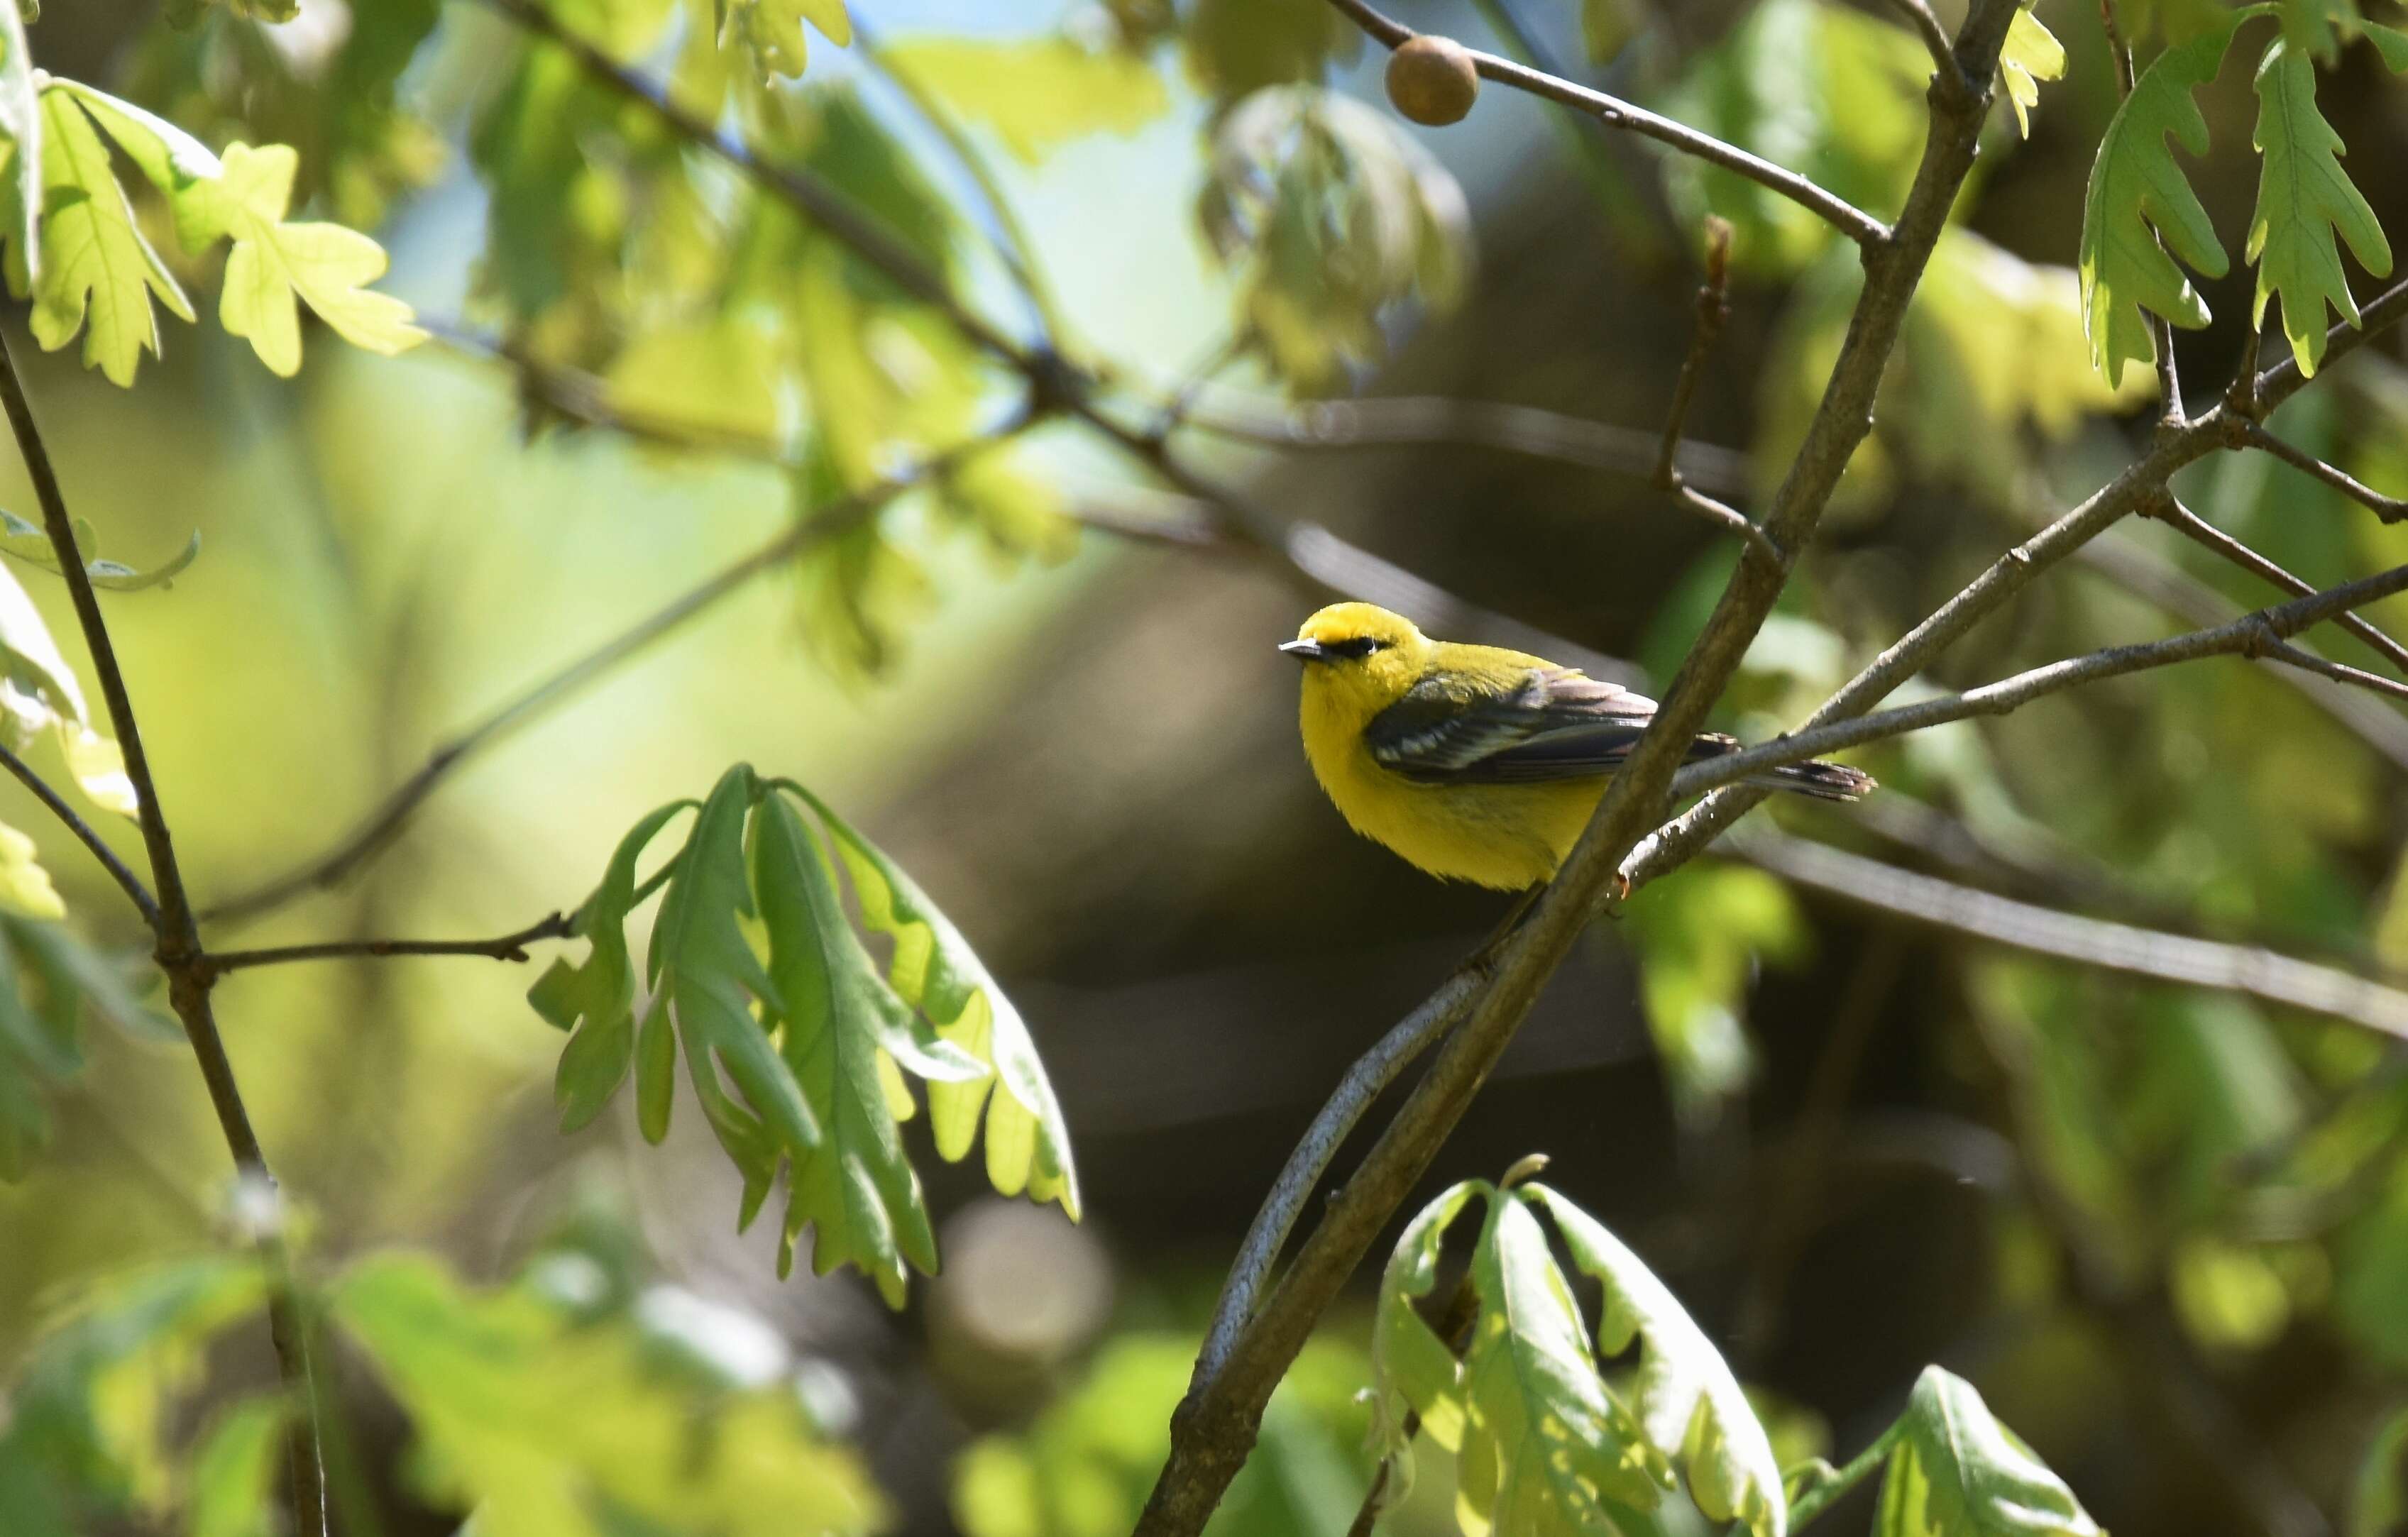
x,y
1304,651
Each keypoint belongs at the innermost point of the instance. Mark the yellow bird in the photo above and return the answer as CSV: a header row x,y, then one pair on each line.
x,y
1474,763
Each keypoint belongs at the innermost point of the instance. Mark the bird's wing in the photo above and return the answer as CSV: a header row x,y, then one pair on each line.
x,y
1542,723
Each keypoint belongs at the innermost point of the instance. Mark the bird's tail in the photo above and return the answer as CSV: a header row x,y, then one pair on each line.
x,y
1821,780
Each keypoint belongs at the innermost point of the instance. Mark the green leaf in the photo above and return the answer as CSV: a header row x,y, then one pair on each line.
x,y
773,30
234,1471
1548,1447
39,692
1607,27
1955,1472
1412,1368
2378,1505
25,888
2139,196
595,998
21,119
2304,198
704,966
2318,27
1037,94
96,273
1693,1409
1028,1144
2031,55
857,1190
2391,43
543,1419
30,543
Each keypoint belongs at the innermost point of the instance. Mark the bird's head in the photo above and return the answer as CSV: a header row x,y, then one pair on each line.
x,y
1362,649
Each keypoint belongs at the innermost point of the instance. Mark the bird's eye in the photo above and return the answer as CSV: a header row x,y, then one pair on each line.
x,y
1358,645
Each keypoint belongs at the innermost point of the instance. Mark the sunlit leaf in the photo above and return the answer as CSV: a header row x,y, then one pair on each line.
x,y
234,1471
39,692
97,273
1413,1370
2304,198
1548,1448
934,969
857,1190
2031,55
21,119
1694,1410
1037,94
25,888
2139,196
1955,1472
773,30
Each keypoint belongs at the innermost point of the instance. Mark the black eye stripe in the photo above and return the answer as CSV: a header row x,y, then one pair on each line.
x,y
1360,645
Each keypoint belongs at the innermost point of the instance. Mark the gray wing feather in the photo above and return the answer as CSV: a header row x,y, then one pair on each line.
x,y
1555,723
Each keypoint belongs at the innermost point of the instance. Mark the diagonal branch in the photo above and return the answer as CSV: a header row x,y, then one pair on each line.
x,y
2257,633
2389,508
178,954
2207,536
1843,215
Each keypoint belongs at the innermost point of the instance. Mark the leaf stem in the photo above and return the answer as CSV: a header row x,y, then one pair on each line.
x,y
179,951
1828,1491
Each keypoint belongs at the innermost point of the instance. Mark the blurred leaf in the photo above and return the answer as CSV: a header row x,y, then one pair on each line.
x,y
1824,90
1548,1447
1028,1144
2391,43
2371,1273
234,1471
25,888
1698,941
48,978
859,590
96,1393
2318,27
703,966
857,1190
271,11
1955,1472
1234,48
1082,1469
2031,55
773,30
94,263
2140,195
2175,21
597,997
21,119
1607,27
1412,1369
1004,495
1036,93
2378,1505
30,543
547,1425
39,692
1330,214
2304,198
2227,1297
1693,1409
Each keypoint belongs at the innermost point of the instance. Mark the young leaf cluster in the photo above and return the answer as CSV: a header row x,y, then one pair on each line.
x,y
2140,216
797,1047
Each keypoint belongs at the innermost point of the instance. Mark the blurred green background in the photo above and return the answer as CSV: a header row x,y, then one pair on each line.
x,y
2165,1229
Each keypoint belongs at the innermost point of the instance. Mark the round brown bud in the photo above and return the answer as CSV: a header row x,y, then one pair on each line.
x,y
1432,80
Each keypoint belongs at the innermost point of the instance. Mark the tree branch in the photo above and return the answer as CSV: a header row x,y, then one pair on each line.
x,y
1843,215
178,953
1935,38
2256,634
1925,899
124,877
1215,1426
1714,309
508,947
2207,536
2389,508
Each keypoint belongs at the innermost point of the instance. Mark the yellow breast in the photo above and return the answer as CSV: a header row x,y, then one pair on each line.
x,y
1505,836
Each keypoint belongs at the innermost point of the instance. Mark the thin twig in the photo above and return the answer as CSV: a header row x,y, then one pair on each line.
x,y
1935,39
178,954
2207,536
553,689
2265,974
2389,508
1714,309
1843,215
118,870
2260,633
507,947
